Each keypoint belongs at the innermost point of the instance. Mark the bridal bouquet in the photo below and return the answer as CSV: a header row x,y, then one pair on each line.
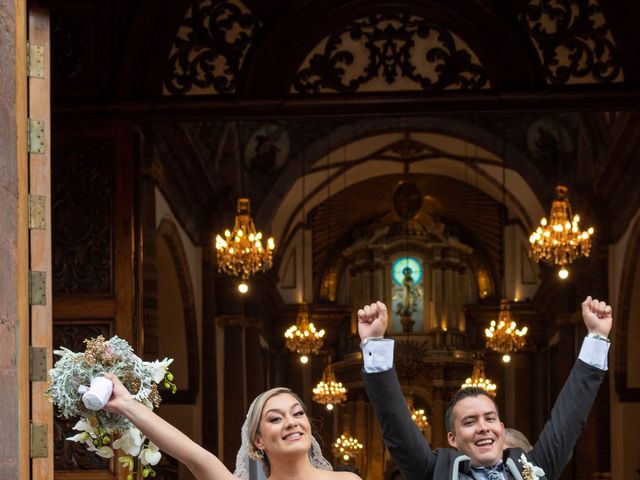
x,y
78,389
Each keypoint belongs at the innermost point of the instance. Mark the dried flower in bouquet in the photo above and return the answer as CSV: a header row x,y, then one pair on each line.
x,y
78,390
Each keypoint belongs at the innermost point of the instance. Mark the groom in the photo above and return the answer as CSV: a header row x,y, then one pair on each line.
x,y
474,429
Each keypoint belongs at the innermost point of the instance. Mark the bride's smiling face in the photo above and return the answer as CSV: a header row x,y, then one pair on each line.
x,y
284,427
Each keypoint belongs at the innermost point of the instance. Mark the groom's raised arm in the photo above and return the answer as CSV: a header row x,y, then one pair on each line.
x,y
571,410
401,436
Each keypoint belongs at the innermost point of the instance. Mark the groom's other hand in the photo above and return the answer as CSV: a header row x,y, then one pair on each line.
x,y
372,320
597,316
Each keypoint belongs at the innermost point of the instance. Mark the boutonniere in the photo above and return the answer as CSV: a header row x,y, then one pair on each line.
x,y
529,470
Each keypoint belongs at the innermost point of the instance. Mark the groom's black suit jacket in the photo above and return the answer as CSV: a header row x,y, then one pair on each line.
x,y
417,461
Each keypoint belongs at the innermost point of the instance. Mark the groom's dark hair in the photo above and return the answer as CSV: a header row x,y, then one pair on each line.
x,y
449,417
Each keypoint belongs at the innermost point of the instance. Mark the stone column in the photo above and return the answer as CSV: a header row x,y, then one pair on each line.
x,y
438,408
462,289
438,296
233,406
377,290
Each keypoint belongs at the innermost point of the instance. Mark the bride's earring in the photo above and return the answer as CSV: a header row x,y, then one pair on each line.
x,y
256,454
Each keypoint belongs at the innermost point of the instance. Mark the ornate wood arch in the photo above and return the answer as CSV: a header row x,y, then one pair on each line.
x,y
168,232
269,74
628,289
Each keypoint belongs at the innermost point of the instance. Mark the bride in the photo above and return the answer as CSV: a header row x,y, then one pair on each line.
x,y
276,433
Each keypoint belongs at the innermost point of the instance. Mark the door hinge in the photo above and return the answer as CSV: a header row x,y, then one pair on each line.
x,y
36,136
37,212
37,288
38,440
38,364
35,61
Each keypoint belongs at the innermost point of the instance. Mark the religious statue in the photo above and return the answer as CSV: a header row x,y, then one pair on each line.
x,y
410,296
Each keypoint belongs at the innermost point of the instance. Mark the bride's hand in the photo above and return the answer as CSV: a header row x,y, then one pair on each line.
x,y
120,396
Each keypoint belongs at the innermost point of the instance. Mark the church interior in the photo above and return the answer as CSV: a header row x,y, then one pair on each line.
x,y
403,151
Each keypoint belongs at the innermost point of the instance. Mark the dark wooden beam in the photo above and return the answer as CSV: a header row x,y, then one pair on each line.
x,y
609,98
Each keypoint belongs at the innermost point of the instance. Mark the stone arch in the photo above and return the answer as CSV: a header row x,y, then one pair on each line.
x,y
167,232
286,193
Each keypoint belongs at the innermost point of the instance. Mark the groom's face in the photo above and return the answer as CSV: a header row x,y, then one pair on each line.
x,y
478,431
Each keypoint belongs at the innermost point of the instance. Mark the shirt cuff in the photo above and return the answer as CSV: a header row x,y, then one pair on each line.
x,y
378,355
594,351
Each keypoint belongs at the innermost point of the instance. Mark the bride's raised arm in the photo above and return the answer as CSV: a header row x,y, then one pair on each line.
x,y
203,464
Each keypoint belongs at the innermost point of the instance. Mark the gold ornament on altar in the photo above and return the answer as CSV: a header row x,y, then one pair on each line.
x,y
418,415
329,391
303,338
347,447
479,379
559,240
240,252
503,336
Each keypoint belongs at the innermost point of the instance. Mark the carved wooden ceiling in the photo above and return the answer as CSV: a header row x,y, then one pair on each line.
x,y
255,49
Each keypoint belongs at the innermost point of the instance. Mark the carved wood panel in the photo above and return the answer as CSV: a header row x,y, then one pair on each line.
x,y
390,52
573,40
82,214
209,48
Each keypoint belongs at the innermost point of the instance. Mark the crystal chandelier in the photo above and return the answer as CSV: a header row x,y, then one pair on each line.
x,y
241,252
303,338
329,392
560,240
503,336
418,415
347,447
479,379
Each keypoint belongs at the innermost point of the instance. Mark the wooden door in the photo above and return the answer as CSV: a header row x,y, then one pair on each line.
x,y
39,151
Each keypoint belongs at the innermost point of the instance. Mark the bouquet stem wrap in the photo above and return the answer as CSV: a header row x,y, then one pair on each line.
x,y
98,394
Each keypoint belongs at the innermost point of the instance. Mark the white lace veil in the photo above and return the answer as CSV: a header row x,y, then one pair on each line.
x,y
245,465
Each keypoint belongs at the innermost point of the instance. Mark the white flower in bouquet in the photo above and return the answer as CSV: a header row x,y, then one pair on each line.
x,y
78,391
150,455
130,442
160,369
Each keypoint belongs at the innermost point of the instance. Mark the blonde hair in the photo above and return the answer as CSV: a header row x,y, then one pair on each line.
x,y
516,439
255,414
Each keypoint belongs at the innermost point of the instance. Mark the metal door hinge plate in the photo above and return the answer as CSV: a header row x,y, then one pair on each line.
x,y
37,288
38,440
38,364
35,60
37,212
36,136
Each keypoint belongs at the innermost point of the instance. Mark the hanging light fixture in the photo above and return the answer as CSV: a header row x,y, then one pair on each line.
x,y
503,336
303,338
559,240
347,447
240,251
479,379
418,415
329,391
